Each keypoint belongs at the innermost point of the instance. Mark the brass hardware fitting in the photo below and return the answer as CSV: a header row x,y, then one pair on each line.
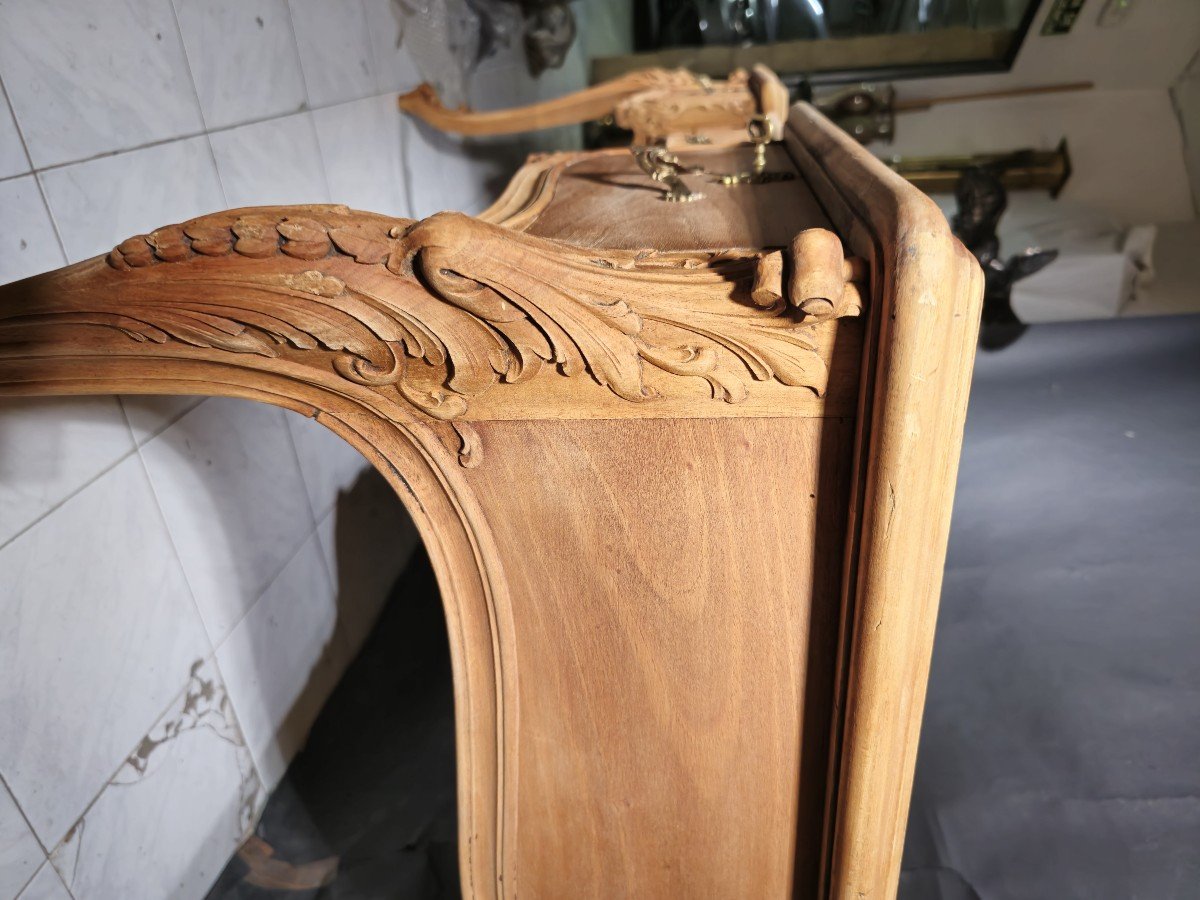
x,y
762,131
664,167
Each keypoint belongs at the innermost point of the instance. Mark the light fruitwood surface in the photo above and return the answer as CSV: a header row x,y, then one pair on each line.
x,y
685,483
603,200
655,104
662,625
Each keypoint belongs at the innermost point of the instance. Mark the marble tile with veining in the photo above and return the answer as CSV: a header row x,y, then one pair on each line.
x,y
329,464
276,162
229,486
283,660
243,58
368,539
50,447
20,853
393,64
99,203
28,244
363,156
87,78
94,620
45,885
13,159
176,809
335,50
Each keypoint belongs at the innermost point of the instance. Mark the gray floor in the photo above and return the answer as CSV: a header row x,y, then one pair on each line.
x,y
1060,756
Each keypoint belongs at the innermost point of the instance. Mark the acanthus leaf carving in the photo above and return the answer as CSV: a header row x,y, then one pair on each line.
x,y
440,310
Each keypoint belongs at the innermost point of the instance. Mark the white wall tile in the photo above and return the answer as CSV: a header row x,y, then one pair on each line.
x,y
87,77
368,540
97,623
20,853
394,67
28,244
175,811
51,447
442,173
46,885
281,662
275,162
361,149
227,481
99,203
335,50
243,58
329,464
13,159
151,414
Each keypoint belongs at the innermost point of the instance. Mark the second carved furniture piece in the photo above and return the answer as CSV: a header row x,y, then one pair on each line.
x,y
669,106
684,472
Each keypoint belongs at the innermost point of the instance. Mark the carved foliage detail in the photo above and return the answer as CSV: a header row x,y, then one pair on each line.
x,y
439,310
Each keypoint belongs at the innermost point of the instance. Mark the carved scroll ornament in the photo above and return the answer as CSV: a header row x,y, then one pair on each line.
x,y
435,311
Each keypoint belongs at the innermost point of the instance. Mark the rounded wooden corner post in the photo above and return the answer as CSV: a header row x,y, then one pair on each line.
x,y
918,357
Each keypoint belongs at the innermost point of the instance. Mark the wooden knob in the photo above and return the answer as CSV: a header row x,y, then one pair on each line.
x,y
818,277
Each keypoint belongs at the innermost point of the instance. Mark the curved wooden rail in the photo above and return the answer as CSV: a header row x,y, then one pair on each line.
x,y
594,102
652,103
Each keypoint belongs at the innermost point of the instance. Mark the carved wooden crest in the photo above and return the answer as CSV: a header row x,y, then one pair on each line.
x,y
439,310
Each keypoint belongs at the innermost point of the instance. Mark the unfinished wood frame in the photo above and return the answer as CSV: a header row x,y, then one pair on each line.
x,y
655,104
687,505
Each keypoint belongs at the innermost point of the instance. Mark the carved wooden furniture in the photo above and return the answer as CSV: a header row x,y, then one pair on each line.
x,y
684,472
673,106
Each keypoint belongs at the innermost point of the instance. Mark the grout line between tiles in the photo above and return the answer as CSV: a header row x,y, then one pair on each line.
x,y
312,125
158,716
187,61
68,497
57,874
17,125
212,649
237,720
166,526
270,583
312,513
329,573
62,247
299,58
308,108
405,169
163,424
29,825
28,881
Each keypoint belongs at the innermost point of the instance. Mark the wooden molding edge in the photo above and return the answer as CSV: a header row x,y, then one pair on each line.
x,y
655,104
429,315
581,106
920,346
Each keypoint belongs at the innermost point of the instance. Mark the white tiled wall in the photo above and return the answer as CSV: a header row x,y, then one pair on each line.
x,y
183,581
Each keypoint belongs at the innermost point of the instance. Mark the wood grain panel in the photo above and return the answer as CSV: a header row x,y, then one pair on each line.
x,y
605,200
674,661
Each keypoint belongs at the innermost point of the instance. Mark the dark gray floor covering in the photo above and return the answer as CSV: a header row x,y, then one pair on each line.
x,y
1060,754
374,785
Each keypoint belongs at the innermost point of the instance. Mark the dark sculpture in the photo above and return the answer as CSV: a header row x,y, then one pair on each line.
x,y
982,199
